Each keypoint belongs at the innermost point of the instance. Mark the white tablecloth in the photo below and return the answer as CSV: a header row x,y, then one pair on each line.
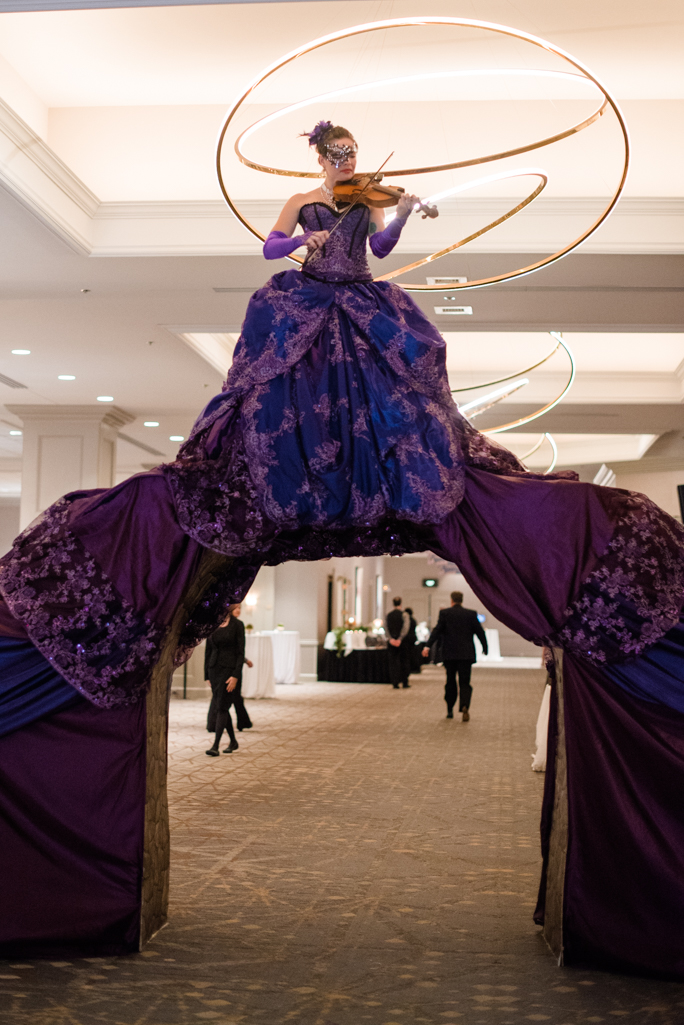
x,y
258,682
494,649
286,654
354,640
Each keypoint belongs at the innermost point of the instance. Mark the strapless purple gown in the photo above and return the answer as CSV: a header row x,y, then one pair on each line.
x,y
336,434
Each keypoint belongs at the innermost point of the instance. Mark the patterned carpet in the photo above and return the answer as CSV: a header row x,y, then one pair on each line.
x,y
360,859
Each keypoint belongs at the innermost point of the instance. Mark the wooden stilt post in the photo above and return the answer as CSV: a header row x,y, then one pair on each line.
x,y
558,843
156,856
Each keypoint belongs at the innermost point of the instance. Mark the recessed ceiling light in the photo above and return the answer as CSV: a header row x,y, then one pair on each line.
x,y
176,437
65,377
21,352
105,398
151,423
16,433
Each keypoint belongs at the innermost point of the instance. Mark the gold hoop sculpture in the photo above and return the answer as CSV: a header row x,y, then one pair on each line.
x,y
503,393
584,74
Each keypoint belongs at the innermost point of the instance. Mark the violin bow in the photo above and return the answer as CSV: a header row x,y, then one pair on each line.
x,y
352,205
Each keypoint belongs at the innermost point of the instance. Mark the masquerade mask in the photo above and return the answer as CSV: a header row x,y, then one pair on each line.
x,y
338,155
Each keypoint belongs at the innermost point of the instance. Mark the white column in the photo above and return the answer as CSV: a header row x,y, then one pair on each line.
x,y
296,607
66,448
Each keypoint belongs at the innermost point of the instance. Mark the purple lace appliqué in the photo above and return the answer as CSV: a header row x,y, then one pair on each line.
x,y
74,615
344,255
230,587
635,595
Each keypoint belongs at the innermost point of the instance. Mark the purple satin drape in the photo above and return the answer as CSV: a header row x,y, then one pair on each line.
x,y
525,545
624,883
72,800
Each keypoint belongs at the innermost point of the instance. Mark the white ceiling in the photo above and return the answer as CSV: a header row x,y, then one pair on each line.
x,y
206,54
594,352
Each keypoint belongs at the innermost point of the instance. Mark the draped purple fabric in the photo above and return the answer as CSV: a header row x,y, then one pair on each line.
x,y
624,884
72,799
336,434
504,550
29,686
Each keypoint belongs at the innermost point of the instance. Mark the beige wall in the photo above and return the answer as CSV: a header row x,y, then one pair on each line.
x,y
9,523
405,579
661,487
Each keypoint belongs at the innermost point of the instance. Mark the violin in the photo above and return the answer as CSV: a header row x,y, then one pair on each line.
x,y
366,188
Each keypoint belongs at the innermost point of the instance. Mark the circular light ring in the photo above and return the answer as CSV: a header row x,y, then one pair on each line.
x,y
554,449
459,23
535,448
544,409
502,380
474,408
476,234
462,23
454,165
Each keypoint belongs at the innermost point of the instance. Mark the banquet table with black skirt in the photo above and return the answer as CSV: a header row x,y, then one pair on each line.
x,y
369,666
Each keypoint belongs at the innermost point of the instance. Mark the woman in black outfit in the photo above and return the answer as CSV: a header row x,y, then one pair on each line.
x,y
411,642
223,661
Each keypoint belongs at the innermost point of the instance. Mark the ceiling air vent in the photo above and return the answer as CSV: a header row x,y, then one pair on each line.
x,y
445,282
454,311
11,383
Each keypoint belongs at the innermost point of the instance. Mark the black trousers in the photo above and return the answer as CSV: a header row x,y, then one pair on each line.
x,y
457,678
222,700
399,662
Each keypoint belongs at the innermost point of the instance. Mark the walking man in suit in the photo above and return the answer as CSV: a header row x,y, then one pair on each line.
x,y
398,655
456,628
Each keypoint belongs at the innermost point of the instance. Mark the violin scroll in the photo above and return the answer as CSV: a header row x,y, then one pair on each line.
x,y
427,210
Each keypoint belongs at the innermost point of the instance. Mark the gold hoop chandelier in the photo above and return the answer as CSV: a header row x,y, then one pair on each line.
x,y
580,72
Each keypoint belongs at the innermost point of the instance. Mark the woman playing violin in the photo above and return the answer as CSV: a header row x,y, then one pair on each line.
x,y
337,151
336,432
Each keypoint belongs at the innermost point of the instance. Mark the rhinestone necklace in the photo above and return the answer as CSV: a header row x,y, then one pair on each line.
x,y
329,196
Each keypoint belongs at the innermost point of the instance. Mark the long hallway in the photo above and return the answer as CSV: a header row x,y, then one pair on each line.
x,y
360,859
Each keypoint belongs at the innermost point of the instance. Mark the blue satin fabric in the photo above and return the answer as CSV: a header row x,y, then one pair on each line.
x,y
29,687
347,436
657,676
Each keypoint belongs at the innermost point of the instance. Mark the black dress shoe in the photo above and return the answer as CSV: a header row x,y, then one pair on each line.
x,y
233,746
213,752
406,686
450,714
395,686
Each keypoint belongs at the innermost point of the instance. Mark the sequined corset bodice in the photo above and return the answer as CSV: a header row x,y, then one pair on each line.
x,y
343,257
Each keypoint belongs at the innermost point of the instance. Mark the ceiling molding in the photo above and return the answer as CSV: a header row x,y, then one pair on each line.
x,y
589,206
607,387
17,6
110,416
640,225
43,183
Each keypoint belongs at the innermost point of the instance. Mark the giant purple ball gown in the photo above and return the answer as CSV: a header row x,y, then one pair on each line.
x,y
336,434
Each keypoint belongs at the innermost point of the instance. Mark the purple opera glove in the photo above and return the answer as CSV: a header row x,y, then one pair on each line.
x,y
383,242
278,244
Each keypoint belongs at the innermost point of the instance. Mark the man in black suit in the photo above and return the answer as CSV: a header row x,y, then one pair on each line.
x,y
398,655
456,628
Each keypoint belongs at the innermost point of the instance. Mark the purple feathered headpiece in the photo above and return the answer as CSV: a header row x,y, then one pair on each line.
x,y
317,134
